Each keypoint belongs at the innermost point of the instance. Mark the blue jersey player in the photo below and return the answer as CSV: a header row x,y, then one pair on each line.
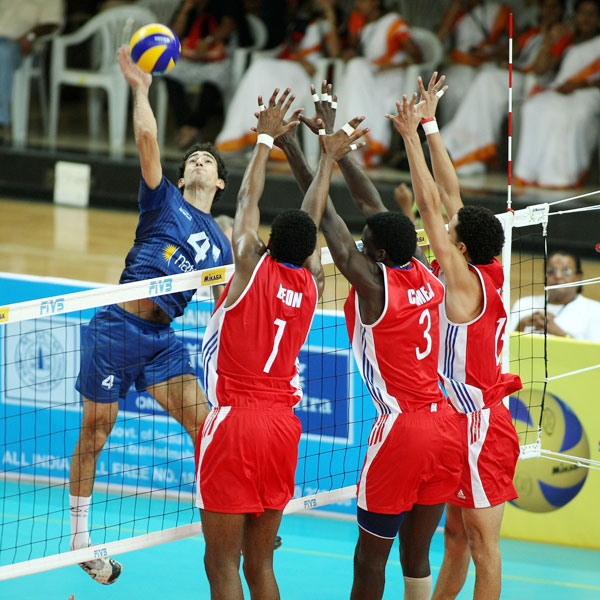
x,y
132,342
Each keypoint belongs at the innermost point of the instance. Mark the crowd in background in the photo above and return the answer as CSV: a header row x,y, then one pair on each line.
x,y
556,82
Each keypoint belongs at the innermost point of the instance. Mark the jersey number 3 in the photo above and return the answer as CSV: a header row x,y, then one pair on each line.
x,y
425,316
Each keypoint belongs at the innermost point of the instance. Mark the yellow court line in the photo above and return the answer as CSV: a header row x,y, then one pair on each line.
x,y
581,586
436,568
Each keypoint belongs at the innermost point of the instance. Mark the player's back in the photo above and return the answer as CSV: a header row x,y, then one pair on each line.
x,y
397,355
250,348
469,357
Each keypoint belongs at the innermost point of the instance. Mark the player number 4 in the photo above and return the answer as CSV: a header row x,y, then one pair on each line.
x,y
278,334
108,382
200,243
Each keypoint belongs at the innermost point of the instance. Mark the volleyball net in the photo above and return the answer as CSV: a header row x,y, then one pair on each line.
x,y
144,486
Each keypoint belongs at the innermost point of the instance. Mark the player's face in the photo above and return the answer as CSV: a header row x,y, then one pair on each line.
x,y
559,270
201,169
452,229
454,235
368,246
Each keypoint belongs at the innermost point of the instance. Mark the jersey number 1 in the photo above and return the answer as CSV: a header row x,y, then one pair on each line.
x,y
278,334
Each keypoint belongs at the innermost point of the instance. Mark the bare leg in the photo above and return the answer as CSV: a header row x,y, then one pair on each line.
x,y
415,535
96,424
223,535
258,542
370,558
456,556
184,400
483,532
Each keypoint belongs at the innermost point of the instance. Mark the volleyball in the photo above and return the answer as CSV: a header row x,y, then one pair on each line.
x,y
545,485
155,48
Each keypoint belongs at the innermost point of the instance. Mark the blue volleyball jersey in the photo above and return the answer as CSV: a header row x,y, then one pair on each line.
x,y
173,237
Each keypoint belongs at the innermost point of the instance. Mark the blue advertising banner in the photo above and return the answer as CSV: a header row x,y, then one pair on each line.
x,y
147,448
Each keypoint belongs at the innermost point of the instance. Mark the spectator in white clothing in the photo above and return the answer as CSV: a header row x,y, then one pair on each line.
x,y
21,23
569,314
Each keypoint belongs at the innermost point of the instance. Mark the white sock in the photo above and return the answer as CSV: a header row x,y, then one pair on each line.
x,y
417,589
80,509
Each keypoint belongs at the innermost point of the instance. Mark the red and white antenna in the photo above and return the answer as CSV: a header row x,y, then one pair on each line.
x,y
510,66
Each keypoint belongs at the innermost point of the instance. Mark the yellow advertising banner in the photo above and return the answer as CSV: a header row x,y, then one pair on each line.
x,y
558,501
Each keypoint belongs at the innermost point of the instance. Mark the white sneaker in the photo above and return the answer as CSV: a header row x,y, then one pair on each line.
x,y
103,570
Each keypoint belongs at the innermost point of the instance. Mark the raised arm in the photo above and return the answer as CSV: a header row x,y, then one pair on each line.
x,y
462,285
246,243
333,148
443,169
364,193
144,123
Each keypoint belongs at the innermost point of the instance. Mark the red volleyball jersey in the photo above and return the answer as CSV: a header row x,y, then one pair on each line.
x,y
250,349
397,355
469,356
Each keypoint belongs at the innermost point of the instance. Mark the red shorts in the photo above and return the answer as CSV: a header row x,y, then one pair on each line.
x,y
490,459
413,458
246,459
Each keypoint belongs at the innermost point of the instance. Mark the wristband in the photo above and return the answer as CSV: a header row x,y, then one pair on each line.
x,y
430,126
265,138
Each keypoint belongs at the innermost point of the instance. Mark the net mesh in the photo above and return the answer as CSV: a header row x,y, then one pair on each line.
x,y
145,474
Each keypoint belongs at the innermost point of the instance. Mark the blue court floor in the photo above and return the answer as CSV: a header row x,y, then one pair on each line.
x,y
315,562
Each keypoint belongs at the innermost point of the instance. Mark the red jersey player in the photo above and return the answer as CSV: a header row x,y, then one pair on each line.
x,y
247,449
472,323
413,461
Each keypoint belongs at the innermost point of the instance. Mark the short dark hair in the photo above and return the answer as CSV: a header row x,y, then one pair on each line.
x,y
205,147
293,237
481,232
395,233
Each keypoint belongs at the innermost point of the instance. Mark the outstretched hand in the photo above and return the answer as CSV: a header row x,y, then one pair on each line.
x,y
409,115
338,144
133,74
325,108
431,96
271,118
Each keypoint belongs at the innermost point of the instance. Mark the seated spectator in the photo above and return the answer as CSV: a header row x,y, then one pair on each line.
x,y
311,34
21,23
559,128
206,29
569,313
472,135
478,32
373,81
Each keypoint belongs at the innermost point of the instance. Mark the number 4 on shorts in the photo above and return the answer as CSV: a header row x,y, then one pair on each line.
x,y
108,382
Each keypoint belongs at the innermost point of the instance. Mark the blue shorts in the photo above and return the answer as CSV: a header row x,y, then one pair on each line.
x,y
120,348
379,524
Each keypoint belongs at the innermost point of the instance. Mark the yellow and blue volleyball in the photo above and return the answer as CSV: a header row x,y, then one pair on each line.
x,y
545,485
155,48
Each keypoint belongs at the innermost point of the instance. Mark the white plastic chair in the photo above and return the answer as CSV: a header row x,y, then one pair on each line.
x,y
31,67
433,53
163,9
109,30
242,56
